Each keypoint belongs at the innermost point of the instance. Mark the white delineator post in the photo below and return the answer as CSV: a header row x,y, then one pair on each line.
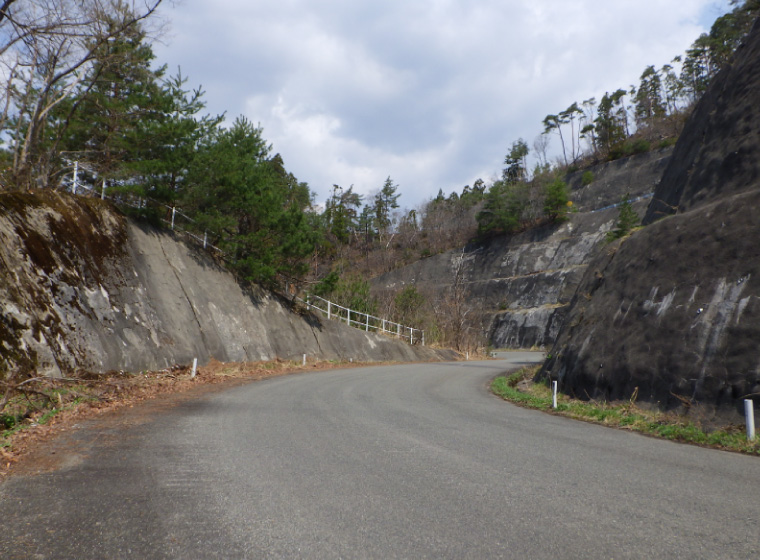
x,y
304,359
554,394
76,177
749,413
195,367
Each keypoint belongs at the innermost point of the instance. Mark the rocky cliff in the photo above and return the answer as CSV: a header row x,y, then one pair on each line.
x,y
522,284
671,315
82,287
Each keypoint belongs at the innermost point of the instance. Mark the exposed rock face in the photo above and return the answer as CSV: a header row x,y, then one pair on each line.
x,y
718,152
673,313
82,287
522,284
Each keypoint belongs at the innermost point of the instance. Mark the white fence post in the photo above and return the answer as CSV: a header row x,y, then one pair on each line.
x,y
76,177
103,191
366,326
329,310
554,394
205,239
174,211
749,413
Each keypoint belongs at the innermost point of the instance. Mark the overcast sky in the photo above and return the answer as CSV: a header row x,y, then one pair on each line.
x,y
429,92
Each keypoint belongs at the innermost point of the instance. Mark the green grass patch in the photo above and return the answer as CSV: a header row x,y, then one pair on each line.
x,y
520,389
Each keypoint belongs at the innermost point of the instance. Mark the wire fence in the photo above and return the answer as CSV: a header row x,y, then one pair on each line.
x,y
364,321
172,216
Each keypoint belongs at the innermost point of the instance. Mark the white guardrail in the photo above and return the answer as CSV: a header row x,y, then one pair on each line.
x,y
331,310
361,320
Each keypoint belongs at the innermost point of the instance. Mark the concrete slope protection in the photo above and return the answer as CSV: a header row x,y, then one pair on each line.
x,y
82,287
672,314
413,461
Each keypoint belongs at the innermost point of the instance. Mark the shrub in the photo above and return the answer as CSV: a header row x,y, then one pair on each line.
x,y
556,201
640,146
627,220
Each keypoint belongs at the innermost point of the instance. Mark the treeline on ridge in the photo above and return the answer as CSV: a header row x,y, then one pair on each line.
x,y
81,89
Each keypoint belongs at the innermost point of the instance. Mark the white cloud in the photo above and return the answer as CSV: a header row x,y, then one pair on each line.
x,y
430,92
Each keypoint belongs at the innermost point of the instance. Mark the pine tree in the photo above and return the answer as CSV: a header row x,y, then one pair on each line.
x,y
385,201
627,220
556,200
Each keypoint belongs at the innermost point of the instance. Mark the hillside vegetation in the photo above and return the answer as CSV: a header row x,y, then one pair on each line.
x,y
88,108
670,314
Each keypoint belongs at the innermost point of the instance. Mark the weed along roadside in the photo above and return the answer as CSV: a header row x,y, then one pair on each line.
x,y
520,389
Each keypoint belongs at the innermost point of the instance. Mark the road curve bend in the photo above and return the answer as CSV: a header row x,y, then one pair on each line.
x,y
410,461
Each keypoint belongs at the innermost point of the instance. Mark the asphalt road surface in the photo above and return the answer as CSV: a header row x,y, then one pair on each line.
x,y
413,461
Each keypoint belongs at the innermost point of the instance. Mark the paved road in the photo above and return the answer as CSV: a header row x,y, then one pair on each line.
x,y
415,461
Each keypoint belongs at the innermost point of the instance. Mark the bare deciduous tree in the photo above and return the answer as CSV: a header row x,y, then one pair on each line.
x,y
457,313
47,50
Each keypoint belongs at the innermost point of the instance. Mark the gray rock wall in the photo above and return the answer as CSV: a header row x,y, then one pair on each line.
x,y
82,287
672,314
521,284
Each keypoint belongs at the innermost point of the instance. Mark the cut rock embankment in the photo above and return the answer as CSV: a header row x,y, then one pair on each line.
x,y
85,288
671,315
521,285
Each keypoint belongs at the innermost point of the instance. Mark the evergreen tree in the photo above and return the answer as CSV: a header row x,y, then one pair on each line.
x,y
650,106
121,95
504,209
515,166
385,202
408,306
234,192
556,200
610,125
170,141
627,220
341,213
554,123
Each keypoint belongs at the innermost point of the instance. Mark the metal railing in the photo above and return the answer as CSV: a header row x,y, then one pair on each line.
x,y
361,320
353,318
171,213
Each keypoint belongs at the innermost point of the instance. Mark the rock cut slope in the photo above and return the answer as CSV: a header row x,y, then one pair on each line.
x,y
83,287
522,284
672,314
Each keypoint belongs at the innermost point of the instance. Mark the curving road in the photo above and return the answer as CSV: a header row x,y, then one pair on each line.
x,y
413,461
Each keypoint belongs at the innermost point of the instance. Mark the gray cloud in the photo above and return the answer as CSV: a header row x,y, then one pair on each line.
x,y
430,92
